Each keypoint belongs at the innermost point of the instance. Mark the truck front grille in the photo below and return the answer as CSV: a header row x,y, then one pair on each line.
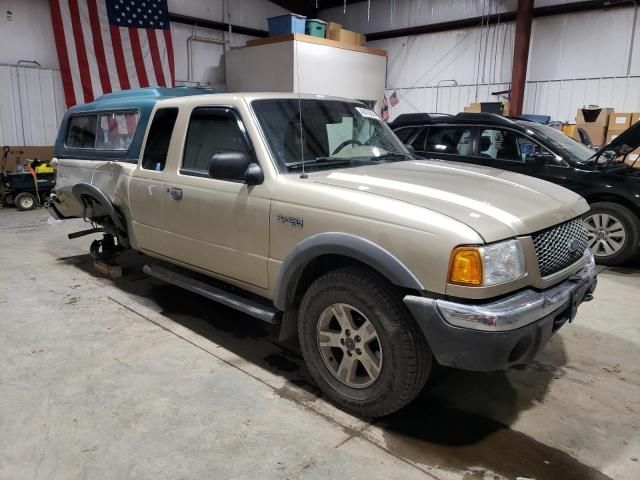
x,y
560,247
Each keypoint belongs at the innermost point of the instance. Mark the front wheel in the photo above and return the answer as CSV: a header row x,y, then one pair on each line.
x,y
361,345
613,233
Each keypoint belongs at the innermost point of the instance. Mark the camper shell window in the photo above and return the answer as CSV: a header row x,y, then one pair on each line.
x,y
113,131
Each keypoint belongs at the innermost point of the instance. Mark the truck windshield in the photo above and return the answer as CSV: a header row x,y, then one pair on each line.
x,y
332,134
562,144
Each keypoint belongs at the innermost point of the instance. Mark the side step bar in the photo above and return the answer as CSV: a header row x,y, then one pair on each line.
x,y
237,302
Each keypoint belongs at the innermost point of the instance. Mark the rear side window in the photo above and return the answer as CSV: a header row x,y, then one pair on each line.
x,y
81,132
211,131
449,140
159,138
502,144
102,131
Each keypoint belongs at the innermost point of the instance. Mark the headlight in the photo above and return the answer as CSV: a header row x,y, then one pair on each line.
x,y
487,266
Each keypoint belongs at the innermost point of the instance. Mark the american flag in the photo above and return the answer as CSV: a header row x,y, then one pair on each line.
x,y
393,99
110,45
384,113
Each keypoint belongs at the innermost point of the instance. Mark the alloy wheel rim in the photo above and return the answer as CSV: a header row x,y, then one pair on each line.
x,y
349,345
606,234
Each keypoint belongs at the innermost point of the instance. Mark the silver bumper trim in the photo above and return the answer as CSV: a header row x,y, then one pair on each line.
x,y
521,309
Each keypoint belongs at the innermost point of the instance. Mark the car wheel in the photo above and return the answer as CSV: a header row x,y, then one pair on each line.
x,y
25,201
613,232
360,343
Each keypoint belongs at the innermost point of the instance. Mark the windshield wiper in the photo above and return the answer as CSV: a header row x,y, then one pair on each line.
x,y
324,160
342,160
396,156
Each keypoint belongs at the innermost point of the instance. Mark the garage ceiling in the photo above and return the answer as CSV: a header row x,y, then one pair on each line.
x,y
308,7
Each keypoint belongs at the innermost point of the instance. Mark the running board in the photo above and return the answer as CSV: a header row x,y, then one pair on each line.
x,y
237,302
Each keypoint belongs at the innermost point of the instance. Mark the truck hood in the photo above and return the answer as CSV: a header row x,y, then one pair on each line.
x,y
495,203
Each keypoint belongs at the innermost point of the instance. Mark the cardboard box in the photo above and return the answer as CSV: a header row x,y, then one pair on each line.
x,y
500,108
612,134
593,116
333,30
569,129
346,36
633,159
619,121
19,156
635,117
473,108
598,135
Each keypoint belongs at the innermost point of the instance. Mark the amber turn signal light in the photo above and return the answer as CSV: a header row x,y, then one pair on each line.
x,y
465,267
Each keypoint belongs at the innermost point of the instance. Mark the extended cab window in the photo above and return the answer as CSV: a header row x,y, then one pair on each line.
x,y
211,130
449,140
159,138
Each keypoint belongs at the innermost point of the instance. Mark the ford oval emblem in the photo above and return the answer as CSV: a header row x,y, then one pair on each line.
x,y
574,246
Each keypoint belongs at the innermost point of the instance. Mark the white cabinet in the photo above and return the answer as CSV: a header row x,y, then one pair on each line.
x,y
304,64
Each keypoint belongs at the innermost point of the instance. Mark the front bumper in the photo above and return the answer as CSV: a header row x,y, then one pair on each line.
x,y
502,333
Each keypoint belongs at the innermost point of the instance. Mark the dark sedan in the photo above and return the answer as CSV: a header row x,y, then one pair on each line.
x,y
611,186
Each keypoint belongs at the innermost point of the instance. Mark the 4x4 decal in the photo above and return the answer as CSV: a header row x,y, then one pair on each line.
x,y
293,221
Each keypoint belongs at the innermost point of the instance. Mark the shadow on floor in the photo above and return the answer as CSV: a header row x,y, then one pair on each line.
x,y
441,427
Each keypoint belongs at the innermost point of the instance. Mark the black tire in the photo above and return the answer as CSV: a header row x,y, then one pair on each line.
x,y
407,358
631,224
25,201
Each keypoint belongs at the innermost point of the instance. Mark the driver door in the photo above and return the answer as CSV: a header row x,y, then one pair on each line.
x,y
221,226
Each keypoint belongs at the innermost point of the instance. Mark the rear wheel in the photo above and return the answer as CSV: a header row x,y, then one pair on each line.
x,y
613,232
361,345
25,201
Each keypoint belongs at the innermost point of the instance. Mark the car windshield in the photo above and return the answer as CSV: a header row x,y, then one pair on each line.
x,y
563,145
332,134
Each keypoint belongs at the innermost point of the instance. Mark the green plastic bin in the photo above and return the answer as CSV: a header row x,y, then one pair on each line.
x,y
316,28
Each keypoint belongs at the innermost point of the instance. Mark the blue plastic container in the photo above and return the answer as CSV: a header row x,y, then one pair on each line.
x,y
286,24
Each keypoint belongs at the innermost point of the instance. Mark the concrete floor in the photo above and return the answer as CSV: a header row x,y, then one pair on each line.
x,y
136,379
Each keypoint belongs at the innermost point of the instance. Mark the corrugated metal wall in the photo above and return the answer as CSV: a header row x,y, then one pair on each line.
x,y
575,59
558,98
31,105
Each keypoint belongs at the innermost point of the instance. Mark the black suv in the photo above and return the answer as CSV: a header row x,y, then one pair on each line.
x,y
611,187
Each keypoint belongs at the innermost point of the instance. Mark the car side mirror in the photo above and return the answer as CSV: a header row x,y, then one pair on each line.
x,y
235,166
540,158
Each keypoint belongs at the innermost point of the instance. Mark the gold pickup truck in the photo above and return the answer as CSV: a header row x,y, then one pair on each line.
x,y
383,263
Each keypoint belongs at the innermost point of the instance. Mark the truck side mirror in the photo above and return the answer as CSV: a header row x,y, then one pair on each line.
x,y
235,166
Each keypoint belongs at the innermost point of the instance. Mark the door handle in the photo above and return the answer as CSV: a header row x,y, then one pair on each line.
x,y
175,193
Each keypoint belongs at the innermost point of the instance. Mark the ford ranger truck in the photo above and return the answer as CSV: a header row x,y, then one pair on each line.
x,y
309,213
